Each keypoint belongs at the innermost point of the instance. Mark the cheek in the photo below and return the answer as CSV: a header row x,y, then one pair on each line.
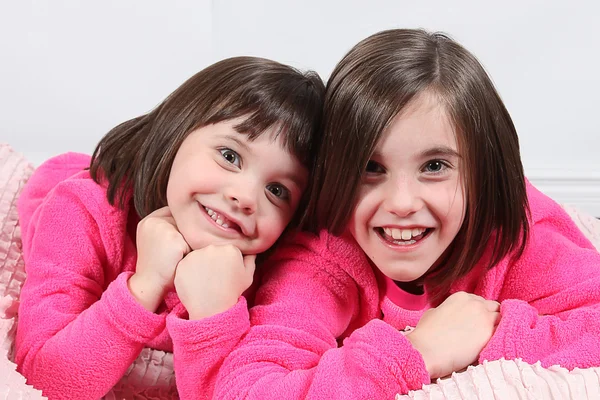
x,y
359,222
273,227
446,199
171,192
452,208
366,208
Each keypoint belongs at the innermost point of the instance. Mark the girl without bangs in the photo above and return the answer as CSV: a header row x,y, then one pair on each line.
x,y
374,83
429,249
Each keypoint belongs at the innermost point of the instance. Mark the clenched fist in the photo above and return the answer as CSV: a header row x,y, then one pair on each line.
x,y
451,336
160,248
210,280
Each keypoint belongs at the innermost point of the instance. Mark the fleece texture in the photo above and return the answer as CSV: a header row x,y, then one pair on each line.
x,y
80,329
326,326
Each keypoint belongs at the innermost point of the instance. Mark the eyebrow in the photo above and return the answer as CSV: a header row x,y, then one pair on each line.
x,y
239,142
437,151
440,151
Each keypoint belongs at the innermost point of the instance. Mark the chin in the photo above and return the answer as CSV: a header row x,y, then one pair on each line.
x,y
197,243
401,275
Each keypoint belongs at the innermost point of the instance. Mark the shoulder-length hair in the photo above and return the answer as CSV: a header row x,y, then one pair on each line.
x,y
138,154
372,84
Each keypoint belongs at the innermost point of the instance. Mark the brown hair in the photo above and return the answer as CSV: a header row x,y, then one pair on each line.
x,y
371,85
138,154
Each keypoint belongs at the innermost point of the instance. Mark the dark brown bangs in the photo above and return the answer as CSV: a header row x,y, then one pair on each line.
x,y
292,104
138,154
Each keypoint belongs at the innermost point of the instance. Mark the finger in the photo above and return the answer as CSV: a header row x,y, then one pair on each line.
x,y
164,214
161,212
492,305
497,317
188,248
169,220
250,264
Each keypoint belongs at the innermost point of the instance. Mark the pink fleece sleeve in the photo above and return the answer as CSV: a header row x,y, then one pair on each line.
x,y
303,307
551,311
199,348
78,332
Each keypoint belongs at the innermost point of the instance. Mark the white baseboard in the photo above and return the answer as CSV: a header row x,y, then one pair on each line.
x,y
576,188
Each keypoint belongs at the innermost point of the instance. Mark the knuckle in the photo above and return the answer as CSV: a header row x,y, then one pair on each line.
x,y
460,296
230,250
229,247
172,235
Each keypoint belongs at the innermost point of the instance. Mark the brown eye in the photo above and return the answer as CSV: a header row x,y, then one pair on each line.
x,y
435,166
279,191
374,168
231,156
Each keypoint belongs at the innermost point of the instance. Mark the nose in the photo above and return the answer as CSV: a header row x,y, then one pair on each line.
x,y
403,196
243,196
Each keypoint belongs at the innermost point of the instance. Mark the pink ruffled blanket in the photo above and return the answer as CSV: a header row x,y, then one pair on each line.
x,y
151,376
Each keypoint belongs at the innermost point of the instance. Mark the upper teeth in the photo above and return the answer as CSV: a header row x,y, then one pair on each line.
x,y
404,234
219,219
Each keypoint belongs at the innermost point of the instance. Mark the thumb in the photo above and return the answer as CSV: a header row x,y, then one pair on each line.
x,y
250,264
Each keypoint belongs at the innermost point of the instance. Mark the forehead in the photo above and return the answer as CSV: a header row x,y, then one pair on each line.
x,y
423,123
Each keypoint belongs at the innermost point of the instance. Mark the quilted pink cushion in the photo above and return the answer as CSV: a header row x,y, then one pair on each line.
x,y
14,172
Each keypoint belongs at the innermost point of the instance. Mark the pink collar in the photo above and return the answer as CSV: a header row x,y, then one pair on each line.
x,y
402,298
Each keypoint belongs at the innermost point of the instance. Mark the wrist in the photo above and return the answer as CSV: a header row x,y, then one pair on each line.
x,y
206,311
146,291
413,338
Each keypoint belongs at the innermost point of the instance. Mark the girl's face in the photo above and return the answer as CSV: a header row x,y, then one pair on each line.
x,y
411,201
225,189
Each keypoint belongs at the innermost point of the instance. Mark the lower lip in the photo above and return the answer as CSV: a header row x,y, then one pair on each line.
x,y
214,223
402,247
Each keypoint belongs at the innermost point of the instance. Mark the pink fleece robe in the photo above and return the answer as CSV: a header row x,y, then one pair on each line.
x,y
79,326
325,326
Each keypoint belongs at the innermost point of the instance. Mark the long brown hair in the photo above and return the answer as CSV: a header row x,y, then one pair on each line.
x,y
138,154
372,84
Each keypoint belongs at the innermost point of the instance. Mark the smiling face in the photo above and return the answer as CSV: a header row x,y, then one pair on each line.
x,y
411,200
226,189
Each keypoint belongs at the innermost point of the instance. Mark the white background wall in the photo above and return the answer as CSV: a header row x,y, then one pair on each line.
x,y
71,70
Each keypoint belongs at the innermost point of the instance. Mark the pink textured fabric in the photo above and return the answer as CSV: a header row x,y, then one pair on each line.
x,y
79,327
513,380
322,328
15,170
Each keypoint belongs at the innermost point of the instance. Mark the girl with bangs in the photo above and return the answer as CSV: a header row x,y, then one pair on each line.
x,y
430,250
152,241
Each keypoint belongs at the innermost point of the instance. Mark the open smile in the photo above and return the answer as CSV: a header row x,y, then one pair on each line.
x,y
221,221
403,237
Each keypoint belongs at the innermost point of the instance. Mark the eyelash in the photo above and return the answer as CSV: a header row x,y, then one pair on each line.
x,y
374,164
444,165
285,196
374,168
